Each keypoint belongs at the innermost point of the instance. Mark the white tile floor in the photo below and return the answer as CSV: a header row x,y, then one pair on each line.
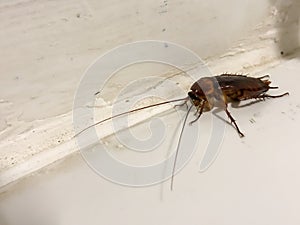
x,y
254,180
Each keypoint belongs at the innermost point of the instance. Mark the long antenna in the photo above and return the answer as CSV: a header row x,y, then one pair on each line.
x,y
131,111
178,145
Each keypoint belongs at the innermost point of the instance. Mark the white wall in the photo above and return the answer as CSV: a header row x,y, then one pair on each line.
x,y
47,45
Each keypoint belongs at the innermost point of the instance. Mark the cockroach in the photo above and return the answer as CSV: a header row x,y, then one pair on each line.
x,y
216,91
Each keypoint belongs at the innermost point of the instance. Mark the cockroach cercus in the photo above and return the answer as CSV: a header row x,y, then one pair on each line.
x,y
216,91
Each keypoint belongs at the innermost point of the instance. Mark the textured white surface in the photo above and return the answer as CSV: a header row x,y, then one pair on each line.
x,y
45,51
46,47
254,180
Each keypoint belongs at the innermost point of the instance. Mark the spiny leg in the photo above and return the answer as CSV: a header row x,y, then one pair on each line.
x,y
197,110
184,103
272,96
233,121
200,113
262,77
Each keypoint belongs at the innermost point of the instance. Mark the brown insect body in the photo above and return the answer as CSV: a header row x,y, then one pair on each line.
x,y
217,91
233,87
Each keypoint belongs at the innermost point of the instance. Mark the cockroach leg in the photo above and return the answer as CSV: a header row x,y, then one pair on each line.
x,y
272,96
197,111
273,87
247,104
184,103
233,121
199,114
265,76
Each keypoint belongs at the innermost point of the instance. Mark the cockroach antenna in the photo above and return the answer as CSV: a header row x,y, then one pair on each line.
x,y
131,111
